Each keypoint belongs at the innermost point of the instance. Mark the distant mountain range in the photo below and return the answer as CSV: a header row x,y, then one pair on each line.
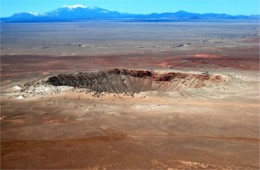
x,y
84,13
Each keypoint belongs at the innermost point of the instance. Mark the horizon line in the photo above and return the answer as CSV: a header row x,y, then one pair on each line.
x,y
91,7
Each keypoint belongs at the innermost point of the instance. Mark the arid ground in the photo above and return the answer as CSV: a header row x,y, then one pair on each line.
x,y
97,95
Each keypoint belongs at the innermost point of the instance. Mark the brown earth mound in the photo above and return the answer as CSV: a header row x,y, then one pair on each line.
x,y
135,81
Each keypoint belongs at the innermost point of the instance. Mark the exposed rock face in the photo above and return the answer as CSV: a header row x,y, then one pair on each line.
x,y
134,81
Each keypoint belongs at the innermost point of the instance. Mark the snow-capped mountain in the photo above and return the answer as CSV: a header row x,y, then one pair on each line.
x,y
66,13
84,13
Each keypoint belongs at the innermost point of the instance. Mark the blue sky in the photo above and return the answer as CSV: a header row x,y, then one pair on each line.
x,y
247,7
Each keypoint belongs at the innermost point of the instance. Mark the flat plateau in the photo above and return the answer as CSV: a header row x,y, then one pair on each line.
x,y
204,115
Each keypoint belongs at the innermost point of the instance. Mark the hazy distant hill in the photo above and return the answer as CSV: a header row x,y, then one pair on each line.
x,y
83,13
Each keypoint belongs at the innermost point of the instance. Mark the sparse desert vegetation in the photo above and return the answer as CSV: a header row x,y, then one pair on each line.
x,y
98,95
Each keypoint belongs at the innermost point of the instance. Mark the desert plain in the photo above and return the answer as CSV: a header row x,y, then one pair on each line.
x,y
125,95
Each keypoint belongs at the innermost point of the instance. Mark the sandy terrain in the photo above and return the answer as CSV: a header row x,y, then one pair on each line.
x,y
188,98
